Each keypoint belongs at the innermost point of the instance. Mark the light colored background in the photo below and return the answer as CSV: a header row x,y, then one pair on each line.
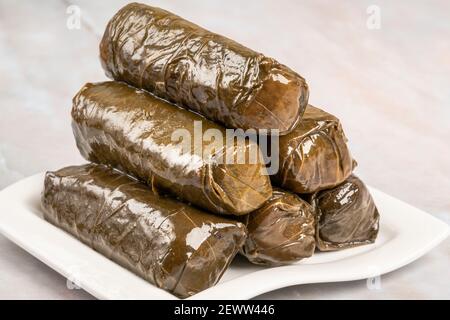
x,y
390,87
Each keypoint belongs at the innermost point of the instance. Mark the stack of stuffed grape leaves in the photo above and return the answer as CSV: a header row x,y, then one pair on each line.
x,y
181,145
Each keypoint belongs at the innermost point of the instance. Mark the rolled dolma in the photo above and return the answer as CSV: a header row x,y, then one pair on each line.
x,y
144,136
314,156
174,246
177,60
346,216
281,231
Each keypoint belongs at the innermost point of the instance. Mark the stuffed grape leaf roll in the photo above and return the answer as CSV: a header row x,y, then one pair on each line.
x,y
314,156
281,231
174,246
346,216
135,132
179,61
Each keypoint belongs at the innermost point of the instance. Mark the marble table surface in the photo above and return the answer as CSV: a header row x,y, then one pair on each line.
x,y
382,67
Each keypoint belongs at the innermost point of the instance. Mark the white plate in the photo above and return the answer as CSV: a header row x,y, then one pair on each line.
x,y
406,233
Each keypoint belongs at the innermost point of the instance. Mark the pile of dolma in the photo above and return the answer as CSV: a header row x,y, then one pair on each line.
x,y
167,204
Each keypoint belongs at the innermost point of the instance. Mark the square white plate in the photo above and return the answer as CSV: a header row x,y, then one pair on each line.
x,y
406,233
